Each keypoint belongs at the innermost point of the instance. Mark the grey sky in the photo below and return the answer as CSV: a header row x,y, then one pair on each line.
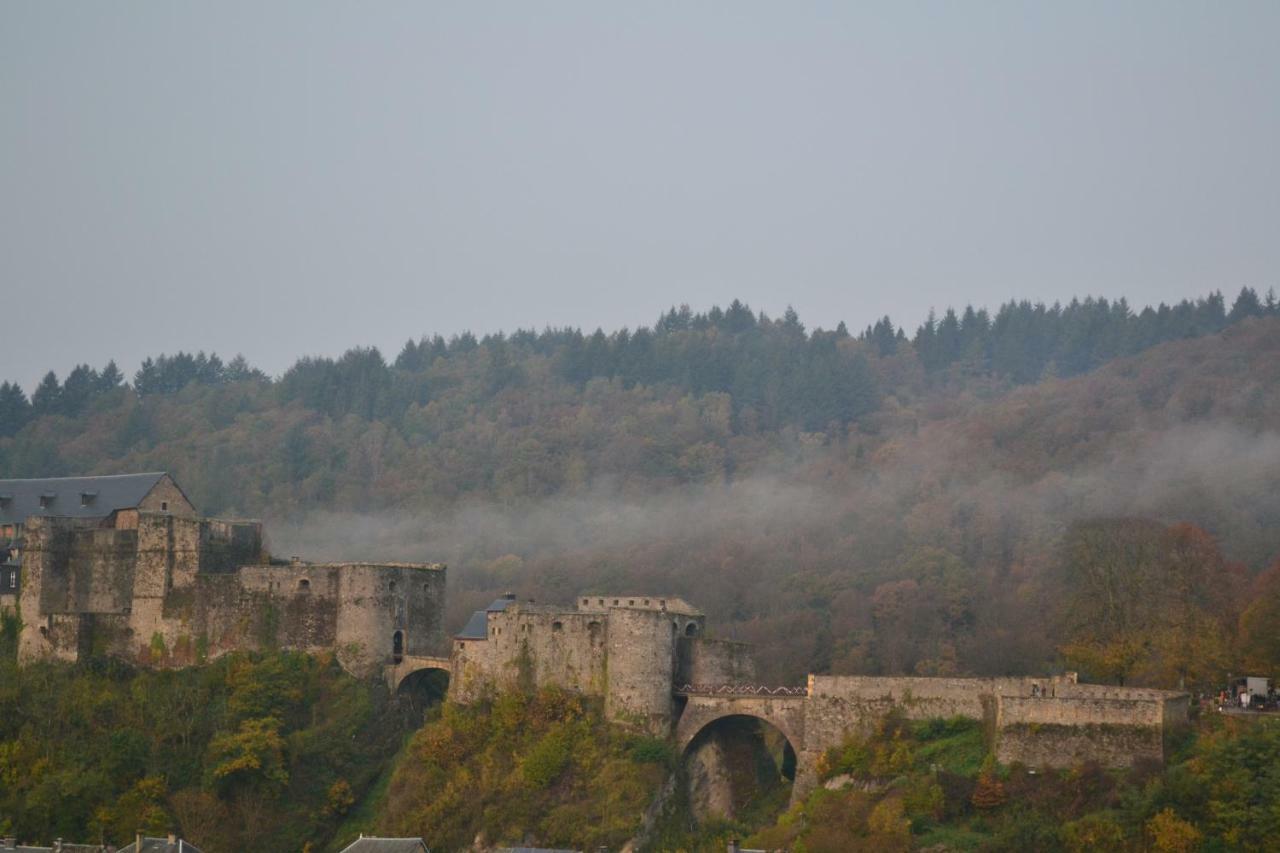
x,y
282,179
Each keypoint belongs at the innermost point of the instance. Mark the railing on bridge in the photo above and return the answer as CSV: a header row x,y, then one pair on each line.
x,y
739,690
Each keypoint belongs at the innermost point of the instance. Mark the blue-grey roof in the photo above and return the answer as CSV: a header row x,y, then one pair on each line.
x,y
74,497
477,627
501,604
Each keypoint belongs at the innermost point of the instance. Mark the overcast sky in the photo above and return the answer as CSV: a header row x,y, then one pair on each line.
x,y
281,179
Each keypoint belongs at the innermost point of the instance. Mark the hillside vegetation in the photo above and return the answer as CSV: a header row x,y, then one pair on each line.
x,y
544,766
245,753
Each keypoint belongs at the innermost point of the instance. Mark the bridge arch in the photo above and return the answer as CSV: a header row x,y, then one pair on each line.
x,y
400,670
784,713
735,748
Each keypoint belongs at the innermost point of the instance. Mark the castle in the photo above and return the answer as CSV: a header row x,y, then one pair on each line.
x,y
123,567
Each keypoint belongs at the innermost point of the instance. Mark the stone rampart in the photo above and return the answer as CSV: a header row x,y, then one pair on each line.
x,y
163,592
533,646
705,661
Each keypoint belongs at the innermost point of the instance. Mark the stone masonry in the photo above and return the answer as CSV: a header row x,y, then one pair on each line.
x,y
159,589
648,659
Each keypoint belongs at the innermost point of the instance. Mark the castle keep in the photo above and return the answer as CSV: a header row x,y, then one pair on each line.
x,y
150,583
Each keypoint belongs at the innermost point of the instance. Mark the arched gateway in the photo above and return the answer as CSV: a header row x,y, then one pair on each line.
x,y
407,665
782,708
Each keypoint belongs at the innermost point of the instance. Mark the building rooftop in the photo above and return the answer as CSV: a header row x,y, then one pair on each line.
x,y
74,497
477,627
369,844
147,844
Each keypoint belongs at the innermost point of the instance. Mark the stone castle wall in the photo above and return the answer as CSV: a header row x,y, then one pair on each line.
x,y
1036,721
627,655
531,646
642,664
171,591
705,661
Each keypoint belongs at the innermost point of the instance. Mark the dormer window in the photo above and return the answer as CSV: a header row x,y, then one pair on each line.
x,y
87,498
5,499
46,499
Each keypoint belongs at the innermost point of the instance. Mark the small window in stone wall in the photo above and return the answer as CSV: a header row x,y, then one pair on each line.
x,y
304,585
392,586
593,628
557,627
164,506
691,629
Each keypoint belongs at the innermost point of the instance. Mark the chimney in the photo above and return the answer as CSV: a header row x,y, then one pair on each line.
x,y
57,845
733,846
173,840
295,559
10,843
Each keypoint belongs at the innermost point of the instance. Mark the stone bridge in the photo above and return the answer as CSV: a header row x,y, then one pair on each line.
x,y
785,713
396,672
1049,721
781,707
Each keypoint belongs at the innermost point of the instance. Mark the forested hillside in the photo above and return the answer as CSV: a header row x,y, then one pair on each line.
x,y
878,502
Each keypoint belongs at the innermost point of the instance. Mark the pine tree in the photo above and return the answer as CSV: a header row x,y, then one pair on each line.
x,y
15,411
110,378
48,396
1247,305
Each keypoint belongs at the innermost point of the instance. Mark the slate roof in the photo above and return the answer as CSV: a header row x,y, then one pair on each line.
x,y
477,627
20,499
386,845
65,848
